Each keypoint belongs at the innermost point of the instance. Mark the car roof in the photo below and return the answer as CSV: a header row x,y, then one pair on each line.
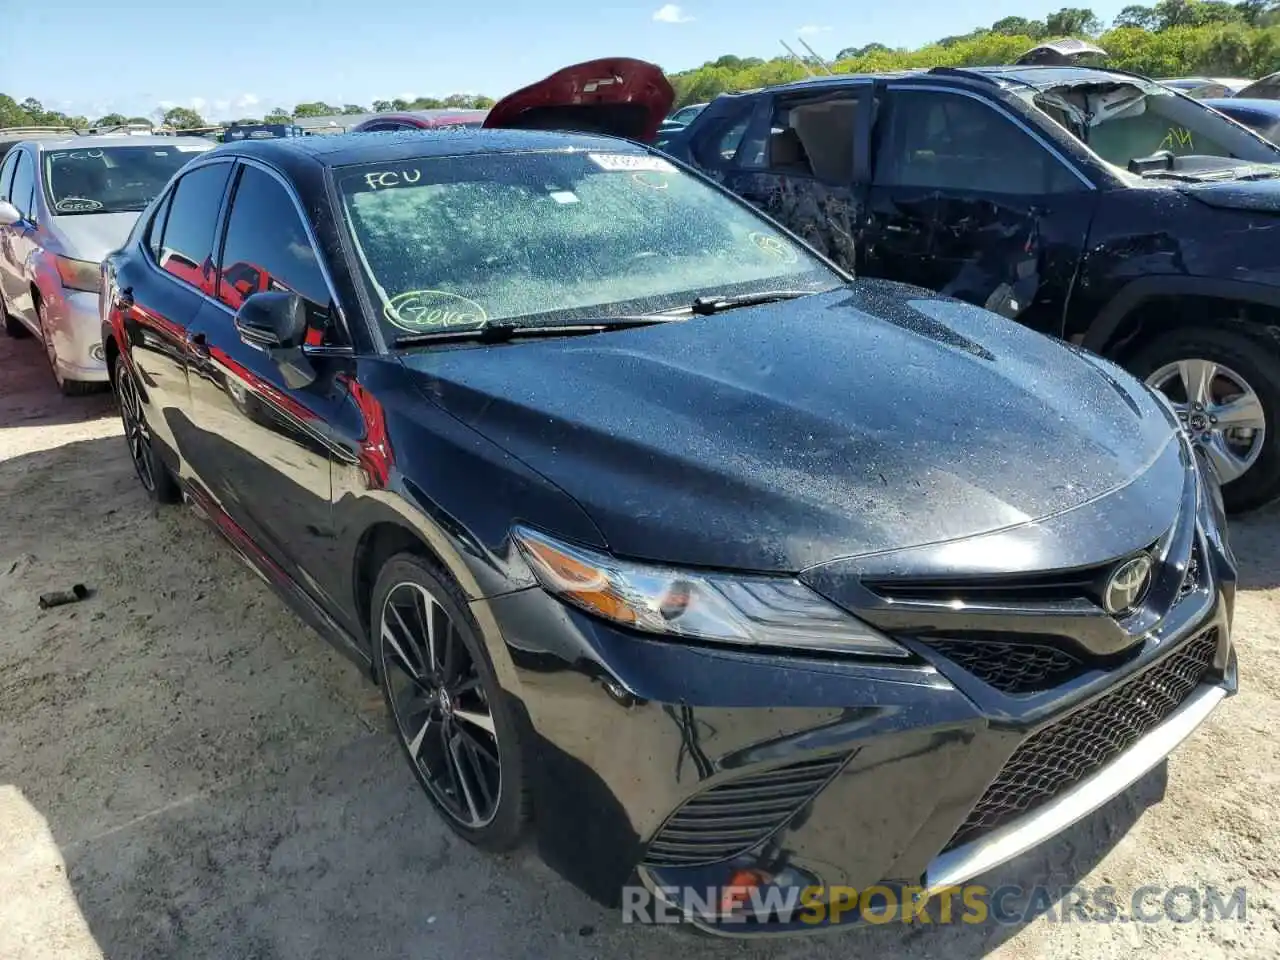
x,y
1258,107
1039,77
344,149
119,140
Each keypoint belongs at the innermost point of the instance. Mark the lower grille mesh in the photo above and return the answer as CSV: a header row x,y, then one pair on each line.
x,y
735,816
1067,751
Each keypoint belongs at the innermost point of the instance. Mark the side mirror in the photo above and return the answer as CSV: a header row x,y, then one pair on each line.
x,y
9,214
275,322
272,321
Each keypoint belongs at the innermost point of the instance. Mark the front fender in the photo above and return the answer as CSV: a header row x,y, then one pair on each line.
x,y
1109,327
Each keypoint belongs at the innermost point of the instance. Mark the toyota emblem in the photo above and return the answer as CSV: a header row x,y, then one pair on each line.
x,y
1128,585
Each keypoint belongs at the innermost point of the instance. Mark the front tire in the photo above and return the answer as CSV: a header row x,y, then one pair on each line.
x,y
1226,388
451,716
154,476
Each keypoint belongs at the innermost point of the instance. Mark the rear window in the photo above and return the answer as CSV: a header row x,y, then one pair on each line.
x,y
111,179
552,236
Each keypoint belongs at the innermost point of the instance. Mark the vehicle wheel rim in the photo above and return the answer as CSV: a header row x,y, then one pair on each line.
x,y
1219,410
49,349
441,710
135,427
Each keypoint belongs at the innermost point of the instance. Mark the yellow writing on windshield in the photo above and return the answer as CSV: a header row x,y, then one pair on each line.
x,y
1175,138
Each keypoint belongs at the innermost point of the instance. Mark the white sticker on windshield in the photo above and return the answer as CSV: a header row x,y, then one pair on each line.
x,y
630,162
564,196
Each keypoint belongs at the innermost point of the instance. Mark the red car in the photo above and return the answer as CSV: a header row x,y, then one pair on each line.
x,y
614,95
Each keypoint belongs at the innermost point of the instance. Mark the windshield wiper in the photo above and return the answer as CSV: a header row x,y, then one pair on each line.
x,y
502,332
705,306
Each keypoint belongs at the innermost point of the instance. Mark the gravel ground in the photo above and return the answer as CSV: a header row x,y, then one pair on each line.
x,y
187,771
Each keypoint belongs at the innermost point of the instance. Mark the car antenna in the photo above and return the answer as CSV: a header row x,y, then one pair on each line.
x,y
825,66
798,59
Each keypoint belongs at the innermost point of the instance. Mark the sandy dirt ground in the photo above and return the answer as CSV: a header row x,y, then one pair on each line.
x,y
187,771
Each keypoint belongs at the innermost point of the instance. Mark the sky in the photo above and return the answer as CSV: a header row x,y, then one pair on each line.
x,y
237,58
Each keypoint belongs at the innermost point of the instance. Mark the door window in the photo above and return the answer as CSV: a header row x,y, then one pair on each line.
x,y
810,138
948,141
186,248
267,248
155,229
22,194
6,174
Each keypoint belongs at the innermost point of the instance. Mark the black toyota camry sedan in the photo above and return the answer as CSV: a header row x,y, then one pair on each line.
x,y
672,546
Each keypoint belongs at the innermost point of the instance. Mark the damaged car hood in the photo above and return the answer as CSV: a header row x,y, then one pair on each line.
x,y
772,438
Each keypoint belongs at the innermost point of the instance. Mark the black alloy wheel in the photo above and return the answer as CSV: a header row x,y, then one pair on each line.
x,y
153,474
448,710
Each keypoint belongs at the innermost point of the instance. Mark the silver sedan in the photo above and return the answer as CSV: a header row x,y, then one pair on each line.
x,y
64,205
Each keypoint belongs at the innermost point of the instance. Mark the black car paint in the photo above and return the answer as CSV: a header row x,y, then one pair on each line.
x,y
438,449
1092,256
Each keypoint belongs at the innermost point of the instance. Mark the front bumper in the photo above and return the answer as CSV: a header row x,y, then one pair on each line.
x,y
681,766
71,318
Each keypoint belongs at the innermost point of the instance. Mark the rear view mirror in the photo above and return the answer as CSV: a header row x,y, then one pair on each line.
x,y
272,321
9,214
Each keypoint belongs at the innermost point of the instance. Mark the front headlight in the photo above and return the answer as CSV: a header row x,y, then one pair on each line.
x,y
79,274
751,610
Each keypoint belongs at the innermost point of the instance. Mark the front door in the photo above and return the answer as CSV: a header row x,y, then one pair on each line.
x,y
18,239
967,201
801,163
261,445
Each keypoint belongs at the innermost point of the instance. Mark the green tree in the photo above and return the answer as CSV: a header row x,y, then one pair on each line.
x,y
849,53
317,108
353,108
1072,22
138,120
278,115
1019,27
110,120
381,106
183,118
1144,18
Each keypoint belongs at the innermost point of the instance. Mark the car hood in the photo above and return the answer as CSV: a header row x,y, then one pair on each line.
x,y
772,438
1262,195
91,236
617,95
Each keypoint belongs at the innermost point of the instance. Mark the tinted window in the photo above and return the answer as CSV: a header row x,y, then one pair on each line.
x,y
549,237
267,247
155,229
6,174
954,142
187,247
23,190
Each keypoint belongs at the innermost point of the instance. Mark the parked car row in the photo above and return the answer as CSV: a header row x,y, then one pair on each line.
x,y
570,441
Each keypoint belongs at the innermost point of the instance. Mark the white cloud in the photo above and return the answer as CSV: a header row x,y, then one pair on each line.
x,y
246,100
671,13
812,30
198,103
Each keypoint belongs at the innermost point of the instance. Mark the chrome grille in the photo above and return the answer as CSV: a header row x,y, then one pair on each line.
x,y
734,816
1068,750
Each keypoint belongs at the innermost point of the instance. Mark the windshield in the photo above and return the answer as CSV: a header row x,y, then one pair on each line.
x,y
111,179
1122,122
546,238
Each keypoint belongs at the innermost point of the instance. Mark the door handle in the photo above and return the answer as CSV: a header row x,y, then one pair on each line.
x,y
198,344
